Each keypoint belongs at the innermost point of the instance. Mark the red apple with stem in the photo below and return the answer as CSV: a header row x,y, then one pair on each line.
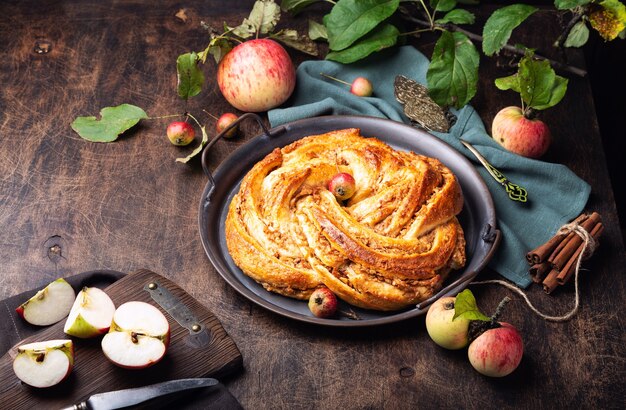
x,y
323,303
180,133
497,351
361,86
224,121
256,75
516,131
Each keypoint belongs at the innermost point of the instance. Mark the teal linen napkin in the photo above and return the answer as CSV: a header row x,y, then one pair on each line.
x,y
555,194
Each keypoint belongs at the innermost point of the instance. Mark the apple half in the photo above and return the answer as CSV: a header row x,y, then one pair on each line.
x,y
50,305
44,364
91,314
139,336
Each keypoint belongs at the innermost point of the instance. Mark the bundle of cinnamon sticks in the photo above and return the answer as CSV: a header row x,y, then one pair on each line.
x,y
554,263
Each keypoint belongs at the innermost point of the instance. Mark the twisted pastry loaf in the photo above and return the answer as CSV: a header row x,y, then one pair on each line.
x,y
389,246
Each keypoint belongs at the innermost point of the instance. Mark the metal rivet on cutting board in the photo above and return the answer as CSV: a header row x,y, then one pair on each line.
x,y
152,286
196,328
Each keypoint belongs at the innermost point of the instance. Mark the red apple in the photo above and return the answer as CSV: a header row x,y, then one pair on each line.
x,y
323,302
361,87
519,134
256,75
180,133
224,121
497,352
342,185
442,329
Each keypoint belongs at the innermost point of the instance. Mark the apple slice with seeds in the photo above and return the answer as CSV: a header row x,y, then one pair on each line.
x,y
139,336
44,364
91,314
49,305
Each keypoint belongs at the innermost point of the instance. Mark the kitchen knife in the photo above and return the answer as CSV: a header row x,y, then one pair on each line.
x,y
128,397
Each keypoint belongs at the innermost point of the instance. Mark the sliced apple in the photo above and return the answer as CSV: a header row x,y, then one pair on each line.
x,y
49,305
44,364
91,314
139,336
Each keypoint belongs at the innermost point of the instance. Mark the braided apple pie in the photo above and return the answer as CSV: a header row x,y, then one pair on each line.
x,y
389,246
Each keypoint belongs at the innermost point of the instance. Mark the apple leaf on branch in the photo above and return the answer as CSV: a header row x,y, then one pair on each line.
x,y
292,39
113,122
382,37
457,16
263,18
190,77
465,306
349,20
453,72
536,82
500,25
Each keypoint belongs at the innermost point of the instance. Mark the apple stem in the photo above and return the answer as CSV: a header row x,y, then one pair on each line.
x,y
335,79
165,116
530,113
210,115
500,308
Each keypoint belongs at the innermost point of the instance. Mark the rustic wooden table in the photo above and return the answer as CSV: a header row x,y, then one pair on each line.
x,y
128,205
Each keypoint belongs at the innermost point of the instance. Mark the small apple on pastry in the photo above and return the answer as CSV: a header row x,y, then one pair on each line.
x,y
91,314
138,337
49,305
44,364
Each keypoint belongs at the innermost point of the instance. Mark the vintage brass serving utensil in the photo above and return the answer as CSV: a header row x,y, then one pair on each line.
x,y
516,192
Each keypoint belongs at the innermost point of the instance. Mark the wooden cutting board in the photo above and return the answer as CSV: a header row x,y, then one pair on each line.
x,y
192,353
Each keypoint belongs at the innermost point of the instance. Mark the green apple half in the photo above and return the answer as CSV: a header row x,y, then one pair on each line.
x,y
49,305
139,336
44,364
91,314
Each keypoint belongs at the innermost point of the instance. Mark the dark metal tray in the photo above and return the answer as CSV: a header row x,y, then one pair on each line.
x,y
477,217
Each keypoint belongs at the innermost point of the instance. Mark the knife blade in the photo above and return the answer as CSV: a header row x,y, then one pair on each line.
x,y
123,398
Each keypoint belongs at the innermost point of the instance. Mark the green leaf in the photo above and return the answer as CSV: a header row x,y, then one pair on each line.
x,y
112,123
453,72
317,31
578,35
500,25
539,86
443,5
296,6
569,4
465,306
457,16
190,77
198,149
508,83
291,38
382,37
349,20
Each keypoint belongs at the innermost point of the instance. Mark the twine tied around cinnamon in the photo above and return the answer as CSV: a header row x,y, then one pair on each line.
x,y
586,249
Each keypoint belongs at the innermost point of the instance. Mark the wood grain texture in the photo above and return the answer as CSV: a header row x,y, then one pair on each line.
x,y
128,205
216,356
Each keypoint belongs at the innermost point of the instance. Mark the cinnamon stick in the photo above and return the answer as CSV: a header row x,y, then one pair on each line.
x,y
539,271
542,252
550,282
568,250
570,267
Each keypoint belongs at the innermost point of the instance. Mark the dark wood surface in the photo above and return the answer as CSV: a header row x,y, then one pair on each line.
x,y
128,205
207,352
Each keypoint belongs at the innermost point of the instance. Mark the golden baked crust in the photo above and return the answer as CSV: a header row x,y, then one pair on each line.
x,y
389,246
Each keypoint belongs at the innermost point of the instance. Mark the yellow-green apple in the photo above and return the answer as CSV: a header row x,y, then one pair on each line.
x,y
180,133
44,364
323,302
496,352
442,328
361,87
224,122
91,314
139,336
49,305
256,75
519,134
342,185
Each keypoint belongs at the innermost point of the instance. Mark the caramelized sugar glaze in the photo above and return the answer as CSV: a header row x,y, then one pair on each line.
x,y
391,245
